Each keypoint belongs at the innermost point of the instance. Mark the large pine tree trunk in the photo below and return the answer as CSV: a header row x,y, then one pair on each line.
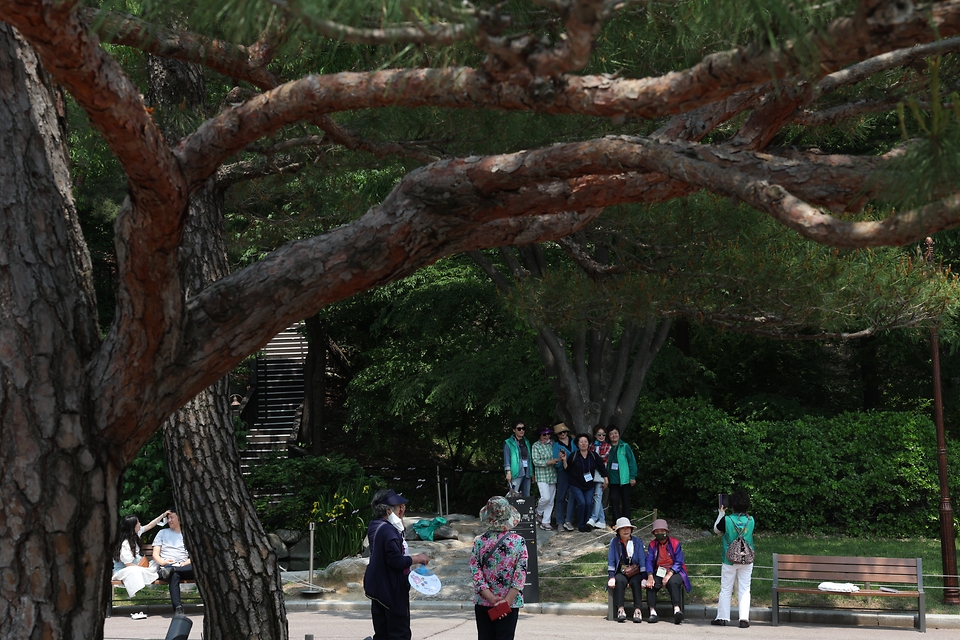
x,y
236,568
58,486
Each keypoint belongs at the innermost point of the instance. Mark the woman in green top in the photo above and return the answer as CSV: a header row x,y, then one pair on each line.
x,y
731,526
622,471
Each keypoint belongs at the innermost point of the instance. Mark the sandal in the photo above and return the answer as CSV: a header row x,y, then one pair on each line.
x,y
621,615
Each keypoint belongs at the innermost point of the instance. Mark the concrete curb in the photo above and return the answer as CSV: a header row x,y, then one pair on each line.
x,y
835,617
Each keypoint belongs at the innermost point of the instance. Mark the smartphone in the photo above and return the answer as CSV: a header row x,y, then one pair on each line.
x,y
723,501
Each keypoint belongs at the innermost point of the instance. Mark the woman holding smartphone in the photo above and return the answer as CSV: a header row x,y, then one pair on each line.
x,y
737,523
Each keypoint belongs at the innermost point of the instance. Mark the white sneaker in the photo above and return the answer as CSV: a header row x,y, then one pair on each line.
x,y
591,522
599,525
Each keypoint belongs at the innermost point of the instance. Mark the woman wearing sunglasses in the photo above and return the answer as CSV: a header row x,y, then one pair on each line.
x,y
517,461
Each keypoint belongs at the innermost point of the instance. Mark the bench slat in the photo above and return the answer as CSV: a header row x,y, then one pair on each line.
x,y
856,560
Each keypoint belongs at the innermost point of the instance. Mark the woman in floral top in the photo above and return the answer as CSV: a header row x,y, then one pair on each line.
x,y
499,569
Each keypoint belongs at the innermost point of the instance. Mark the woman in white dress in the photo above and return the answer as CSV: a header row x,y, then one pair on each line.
x,y
126,555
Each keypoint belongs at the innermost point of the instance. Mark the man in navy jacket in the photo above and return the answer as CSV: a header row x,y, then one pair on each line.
x,y
385,581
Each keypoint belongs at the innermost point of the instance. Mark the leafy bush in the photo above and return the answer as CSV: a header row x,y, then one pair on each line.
x,y
146,490
340,519
286,490
857,473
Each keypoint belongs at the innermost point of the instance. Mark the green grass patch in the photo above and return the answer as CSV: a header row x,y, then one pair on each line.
x,y
154,594
584,580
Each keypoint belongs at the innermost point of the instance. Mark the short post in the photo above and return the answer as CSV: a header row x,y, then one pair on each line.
x,y
313,526
311,591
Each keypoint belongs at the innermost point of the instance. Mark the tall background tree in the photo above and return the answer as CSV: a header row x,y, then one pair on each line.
x,y
603,299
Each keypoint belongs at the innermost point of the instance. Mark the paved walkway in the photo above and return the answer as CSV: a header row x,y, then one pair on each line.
x,y
454,621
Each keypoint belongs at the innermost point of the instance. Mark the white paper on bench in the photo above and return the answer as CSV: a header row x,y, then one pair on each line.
x,y
841,587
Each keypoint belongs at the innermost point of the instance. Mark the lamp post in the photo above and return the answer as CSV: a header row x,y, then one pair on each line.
x,y
948,549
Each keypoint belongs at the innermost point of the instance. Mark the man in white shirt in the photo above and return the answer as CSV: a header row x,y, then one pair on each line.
x,y
173,558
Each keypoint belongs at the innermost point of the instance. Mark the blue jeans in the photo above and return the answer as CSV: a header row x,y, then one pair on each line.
x,y
583,499
597,512
521,484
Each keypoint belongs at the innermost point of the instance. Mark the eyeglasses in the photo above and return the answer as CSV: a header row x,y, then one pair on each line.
x,y
519,428
601,434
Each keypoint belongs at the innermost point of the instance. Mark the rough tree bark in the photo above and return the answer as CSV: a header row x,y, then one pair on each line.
x,y
236,568
58,479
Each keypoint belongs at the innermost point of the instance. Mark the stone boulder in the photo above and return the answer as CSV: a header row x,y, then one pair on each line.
x,y
301,550
458,517
278,546
347,570
446,532
288,536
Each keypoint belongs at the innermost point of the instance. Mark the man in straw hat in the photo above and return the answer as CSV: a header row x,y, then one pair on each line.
x,y
563,506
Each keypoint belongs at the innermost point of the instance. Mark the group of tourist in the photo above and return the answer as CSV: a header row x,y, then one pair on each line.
x,y
498,566
662,566
575,475
570,473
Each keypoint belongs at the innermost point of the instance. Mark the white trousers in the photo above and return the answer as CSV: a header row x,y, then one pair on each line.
x,y
545,506
728,574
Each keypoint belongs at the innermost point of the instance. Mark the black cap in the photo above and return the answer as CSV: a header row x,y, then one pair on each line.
x,y
393,499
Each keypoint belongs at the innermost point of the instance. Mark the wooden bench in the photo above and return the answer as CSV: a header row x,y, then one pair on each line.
x,y
628,603
872,573
146,551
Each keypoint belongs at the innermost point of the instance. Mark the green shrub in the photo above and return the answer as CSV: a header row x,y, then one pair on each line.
x,y
146,490
286,490
857,473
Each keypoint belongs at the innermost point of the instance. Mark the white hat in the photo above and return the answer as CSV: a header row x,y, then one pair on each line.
x,y
623,522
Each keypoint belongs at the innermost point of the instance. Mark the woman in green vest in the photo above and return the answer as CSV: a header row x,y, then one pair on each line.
x,y
622,471
517,460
